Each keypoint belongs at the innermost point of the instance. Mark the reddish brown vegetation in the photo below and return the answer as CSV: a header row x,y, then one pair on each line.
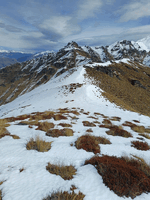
x,y
45,126
115,118
118,131
89,130
125,178
140,145
91,143
87,123
107,122
65,125
65,196
88,143
60,132
59,117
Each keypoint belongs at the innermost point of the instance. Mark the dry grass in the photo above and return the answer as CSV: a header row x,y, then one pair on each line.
x,y
60,132
122,92
87,123
139,163
45,126
138,129
65,125
140,145
66,172
115,118
147,136
3,130
16,137
147,130
89,130
1,191
65,196
0,195
118,131
3,125
38,144
107,122
59,117
90,143
125,177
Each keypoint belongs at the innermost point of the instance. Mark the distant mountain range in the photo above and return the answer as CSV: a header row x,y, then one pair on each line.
x,y
139,51
11,57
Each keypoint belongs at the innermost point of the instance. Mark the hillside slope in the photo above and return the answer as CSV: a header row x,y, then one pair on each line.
x,y
74,126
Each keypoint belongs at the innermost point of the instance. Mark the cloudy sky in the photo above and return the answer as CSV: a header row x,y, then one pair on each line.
x,y
37,25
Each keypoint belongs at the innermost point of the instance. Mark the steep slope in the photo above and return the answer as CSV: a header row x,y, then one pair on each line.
x,y
145,43
7,61
60,114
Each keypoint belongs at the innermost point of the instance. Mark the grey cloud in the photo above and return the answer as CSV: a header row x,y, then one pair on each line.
x,y
2,25
12,28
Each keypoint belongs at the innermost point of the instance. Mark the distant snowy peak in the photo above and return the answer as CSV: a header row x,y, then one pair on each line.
x,y
144,43
71,45
43,53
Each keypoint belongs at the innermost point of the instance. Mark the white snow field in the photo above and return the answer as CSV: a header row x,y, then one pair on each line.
x,y
35,182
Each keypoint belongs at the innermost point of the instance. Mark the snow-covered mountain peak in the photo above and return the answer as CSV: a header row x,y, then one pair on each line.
x,y
145,43
72,45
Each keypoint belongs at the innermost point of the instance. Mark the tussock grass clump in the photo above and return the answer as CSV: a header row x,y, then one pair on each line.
x,y
107,122
60,132
66,172
0,195
87,123
3,125
127,123
147,130
139,163
118,131
16,137
88,143
65,196
42,115
92,117
3,131
89,130
125,178
59,117
45,126
140,145
147,136
65,125
138,129
38,144
20,117
115,118
91,143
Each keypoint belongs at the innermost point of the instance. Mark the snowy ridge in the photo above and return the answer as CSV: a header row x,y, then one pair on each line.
x,y
144,43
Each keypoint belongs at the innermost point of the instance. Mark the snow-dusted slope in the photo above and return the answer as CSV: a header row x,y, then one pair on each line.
x,y
144,43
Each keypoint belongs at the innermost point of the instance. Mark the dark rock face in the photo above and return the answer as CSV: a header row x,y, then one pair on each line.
x,y
106,70
137,83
